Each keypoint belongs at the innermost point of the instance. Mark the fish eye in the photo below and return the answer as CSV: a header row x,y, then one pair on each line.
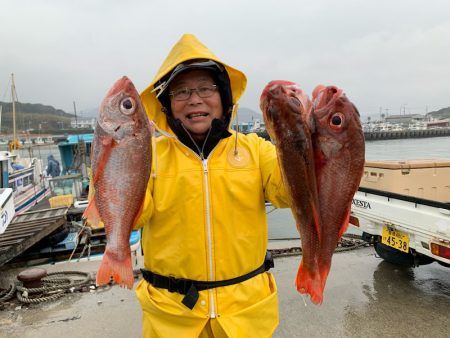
x,y
127,106
336,120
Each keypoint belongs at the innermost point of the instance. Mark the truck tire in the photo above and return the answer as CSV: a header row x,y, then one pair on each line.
x,y
393,256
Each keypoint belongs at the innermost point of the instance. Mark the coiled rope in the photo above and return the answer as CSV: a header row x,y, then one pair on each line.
x,y
55,285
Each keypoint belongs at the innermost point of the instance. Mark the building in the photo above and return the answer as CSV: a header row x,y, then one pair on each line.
x,y
439,124
405,120
252,126
88,123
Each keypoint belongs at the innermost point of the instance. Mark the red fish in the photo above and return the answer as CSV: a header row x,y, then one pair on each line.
x,y
121,163
285,109
338,141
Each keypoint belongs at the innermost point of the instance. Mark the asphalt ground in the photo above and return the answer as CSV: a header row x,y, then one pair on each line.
x,y
364,297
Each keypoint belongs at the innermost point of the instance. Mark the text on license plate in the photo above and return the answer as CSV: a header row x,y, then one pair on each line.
x,y
395,239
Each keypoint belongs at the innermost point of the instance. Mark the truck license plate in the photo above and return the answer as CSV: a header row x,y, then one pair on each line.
x,y
395,239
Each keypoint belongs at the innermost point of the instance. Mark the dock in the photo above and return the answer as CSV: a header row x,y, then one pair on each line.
x,y
27,229
391,134
363,297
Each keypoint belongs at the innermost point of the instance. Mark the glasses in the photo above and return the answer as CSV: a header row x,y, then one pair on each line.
x,y
184,94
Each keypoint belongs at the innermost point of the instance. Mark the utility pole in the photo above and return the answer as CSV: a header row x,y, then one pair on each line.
x,y
13,99
75,110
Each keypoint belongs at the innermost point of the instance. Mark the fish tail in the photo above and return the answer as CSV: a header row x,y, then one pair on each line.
x,y
309,282
121,271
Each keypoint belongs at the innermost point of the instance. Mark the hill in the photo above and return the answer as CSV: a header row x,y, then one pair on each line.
x,y
440,114
33,116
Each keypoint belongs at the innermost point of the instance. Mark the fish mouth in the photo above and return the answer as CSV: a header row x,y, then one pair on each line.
x,y
286,93
295,104
191,116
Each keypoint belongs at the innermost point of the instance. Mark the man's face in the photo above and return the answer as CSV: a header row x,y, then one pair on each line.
x,y
196,113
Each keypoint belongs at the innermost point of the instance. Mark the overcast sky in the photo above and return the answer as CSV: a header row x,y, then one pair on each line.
x,y
385,54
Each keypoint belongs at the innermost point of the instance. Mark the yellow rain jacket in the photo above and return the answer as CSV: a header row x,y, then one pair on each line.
x,y
205,220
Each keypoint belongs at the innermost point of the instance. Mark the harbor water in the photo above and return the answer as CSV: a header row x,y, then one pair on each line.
x,y
281,222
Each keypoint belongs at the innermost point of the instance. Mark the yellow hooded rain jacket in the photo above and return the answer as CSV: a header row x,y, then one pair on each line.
x,y
205,220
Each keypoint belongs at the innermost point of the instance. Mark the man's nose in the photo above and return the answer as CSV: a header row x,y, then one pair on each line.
x,y
194,97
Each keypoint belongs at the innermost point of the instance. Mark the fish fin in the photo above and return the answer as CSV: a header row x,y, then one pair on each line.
x,y
344,225
138,214
108,144
309,282
121,271
92,215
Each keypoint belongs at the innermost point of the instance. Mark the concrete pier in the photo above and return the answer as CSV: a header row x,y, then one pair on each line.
x,y
364,297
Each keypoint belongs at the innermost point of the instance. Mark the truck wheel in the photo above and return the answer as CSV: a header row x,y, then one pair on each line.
x,y
393,256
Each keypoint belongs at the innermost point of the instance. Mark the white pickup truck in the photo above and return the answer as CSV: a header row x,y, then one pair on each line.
x,y
403,208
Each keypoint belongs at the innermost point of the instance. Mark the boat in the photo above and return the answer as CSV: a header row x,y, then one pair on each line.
x,y
7,208
27,142
24,175
39,140
75,152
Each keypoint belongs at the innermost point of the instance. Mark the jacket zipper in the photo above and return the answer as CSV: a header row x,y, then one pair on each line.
x,y
209,236
212,309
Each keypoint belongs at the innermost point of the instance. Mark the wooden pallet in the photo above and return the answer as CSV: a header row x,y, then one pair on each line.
x,y
27,229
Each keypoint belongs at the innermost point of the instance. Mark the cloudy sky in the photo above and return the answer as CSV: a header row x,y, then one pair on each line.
x,y
388,55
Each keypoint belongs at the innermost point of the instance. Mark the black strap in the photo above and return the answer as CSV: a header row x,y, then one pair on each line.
x,y
190,288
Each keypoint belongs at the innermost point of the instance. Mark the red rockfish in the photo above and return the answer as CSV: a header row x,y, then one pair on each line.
x,y
338,141
285,110
121,163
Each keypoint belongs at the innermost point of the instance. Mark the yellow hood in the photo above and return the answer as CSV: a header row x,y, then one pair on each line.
x,y
187,48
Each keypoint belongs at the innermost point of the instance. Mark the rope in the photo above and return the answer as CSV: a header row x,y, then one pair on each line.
x,y
351,242
55,285
8,294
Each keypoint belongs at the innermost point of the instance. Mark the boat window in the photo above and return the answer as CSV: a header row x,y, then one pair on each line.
x,y
28,180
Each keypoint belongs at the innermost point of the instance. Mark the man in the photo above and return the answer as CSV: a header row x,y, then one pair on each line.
x,y
204,222
53,168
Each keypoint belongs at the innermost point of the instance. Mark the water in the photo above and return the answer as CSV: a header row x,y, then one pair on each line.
x,y
408,149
